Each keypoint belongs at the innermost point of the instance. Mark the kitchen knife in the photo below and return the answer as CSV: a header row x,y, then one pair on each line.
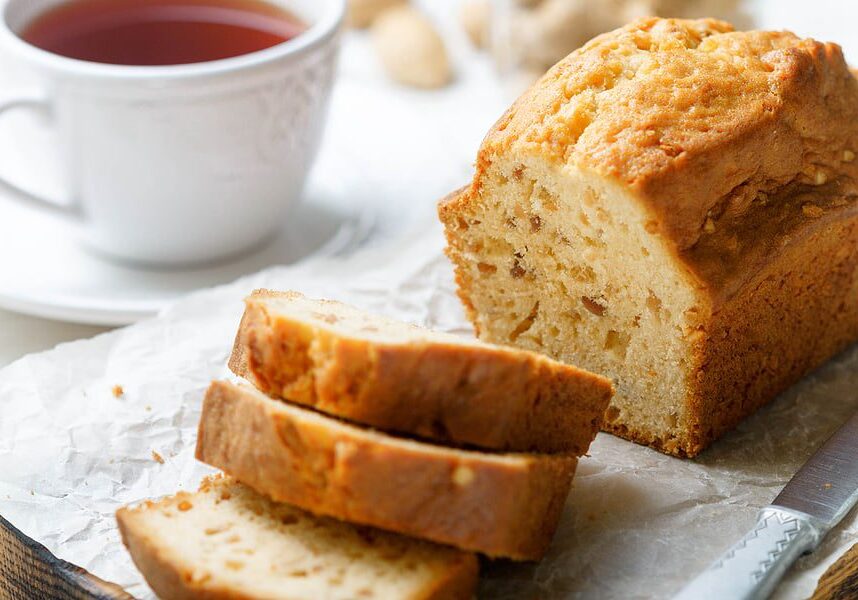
x,y
813,502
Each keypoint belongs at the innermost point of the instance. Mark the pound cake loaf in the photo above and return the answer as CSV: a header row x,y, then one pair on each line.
x,y
505,505
673,206
399,377
228,542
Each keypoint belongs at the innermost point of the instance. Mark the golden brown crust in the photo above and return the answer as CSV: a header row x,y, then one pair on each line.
x,y
796,313
450,210
716,132
238,357
500,506
491,397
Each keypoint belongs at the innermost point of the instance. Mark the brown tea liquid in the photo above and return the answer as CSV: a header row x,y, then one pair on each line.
x,y
160,32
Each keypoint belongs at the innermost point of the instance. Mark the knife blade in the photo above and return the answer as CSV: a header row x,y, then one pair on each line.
x,y
826,487
816,499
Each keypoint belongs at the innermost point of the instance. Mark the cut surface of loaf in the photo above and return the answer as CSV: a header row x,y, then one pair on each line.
x,y
498,504
399,377
227,541
673,206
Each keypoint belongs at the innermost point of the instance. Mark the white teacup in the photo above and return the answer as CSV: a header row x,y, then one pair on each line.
x,y
181,164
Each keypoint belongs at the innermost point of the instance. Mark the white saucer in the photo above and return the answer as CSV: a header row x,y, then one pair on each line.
x,y
46,272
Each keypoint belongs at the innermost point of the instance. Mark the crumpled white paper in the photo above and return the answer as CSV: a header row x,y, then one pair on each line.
x,y
638,524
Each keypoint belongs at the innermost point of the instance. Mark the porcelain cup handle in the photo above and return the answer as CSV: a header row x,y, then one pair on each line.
x,y
37,102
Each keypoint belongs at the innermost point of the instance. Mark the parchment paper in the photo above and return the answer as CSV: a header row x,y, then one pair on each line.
x,y
637,524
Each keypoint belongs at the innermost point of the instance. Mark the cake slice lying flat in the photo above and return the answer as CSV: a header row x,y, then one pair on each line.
x,y
227,541
500,505
399,377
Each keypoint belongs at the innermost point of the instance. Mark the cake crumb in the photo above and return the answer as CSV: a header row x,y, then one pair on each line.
x,y
463,475
812,210
148,407
157,458
118,391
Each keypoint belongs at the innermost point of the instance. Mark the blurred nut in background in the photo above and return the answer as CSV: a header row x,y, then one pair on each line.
x,y
532,35
362,13
549,31
410,48
476,21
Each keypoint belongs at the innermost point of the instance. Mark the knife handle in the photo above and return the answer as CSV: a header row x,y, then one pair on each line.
x,y
752,567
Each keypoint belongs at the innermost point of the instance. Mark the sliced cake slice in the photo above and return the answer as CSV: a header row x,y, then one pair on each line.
x,y
504,505
227,541
399,377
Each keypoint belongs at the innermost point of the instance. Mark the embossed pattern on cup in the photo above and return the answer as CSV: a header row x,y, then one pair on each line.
x,y
188,163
